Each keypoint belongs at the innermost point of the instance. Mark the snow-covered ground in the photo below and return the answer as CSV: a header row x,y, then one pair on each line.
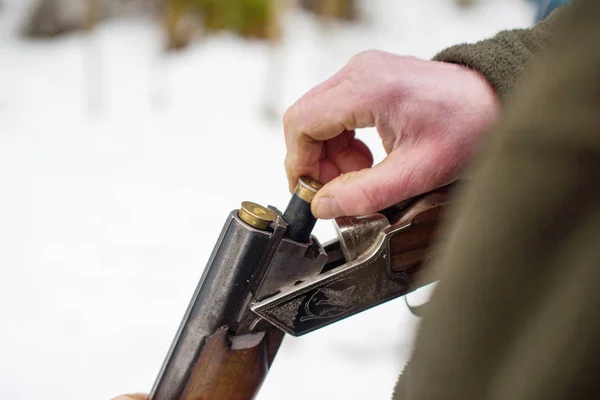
x,y
118,166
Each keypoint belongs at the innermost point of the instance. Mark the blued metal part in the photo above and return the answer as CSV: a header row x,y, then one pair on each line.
x,y
291,263
300,219
215,303
335,257
339,293
284,263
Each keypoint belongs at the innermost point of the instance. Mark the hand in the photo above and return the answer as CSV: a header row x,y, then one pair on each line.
x,y
430,116
136,396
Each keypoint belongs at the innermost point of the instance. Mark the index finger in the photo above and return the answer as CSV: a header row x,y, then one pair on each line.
x,y
304,145
333,107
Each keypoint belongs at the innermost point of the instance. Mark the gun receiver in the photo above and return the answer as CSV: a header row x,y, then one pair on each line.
x,y
268,275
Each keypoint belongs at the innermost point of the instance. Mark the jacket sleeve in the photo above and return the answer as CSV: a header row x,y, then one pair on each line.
x,y
504,58
515,312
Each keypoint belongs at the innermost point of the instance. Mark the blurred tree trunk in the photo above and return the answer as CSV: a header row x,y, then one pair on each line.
x,y
188,19
92,57
179,25
91,15
248,18
183,20
55,17
332,9
275,78
466,2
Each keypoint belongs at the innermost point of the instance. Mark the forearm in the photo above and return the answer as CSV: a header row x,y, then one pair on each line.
x,y
505,57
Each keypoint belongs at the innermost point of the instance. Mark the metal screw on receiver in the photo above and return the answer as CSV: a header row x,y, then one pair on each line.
x,y
297,214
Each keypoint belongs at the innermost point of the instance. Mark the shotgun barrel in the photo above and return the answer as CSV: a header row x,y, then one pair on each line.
x,y
239,269
268,275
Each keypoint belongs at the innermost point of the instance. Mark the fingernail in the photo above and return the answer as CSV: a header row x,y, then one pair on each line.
x,y
327,207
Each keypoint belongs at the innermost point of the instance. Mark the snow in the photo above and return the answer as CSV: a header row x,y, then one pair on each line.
x,y
118,166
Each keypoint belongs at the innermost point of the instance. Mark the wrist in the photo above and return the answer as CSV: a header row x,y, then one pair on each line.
x,y
485,98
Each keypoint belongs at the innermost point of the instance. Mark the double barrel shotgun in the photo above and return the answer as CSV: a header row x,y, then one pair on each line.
x,y
268,276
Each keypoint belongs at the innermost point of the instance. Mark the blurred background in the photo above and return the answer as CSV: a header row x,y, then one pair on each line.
x,y
129,129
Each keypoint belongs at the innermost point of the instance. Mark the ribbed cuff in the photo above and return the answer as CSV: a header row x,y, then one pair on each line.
x,y
502,60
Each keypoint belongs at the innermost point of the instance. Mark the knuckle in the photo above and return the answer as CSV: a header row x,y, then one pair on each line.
x,y
354,77
366,55
363,199
288,118
290,163
372,199
286,165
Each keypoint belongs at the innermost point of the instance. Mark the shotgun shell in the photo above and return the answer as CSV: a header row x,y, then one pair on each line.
x,y
306,188
297,214
256,215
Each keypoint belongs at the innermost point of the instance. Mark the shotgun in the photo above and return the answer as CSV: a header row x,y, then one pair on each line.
x,y
268,276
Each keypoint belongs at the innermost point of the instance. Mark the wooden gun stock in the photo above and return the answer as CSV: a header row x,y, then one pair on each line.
x,y
411,248
224,373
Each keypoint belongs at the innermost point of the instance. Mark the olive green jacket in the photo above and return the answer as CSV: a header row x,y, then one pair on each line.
x,y
516,313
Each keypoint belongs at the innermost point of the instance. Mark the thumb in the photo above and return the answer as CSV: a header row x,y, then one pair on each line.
x,y
399,176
